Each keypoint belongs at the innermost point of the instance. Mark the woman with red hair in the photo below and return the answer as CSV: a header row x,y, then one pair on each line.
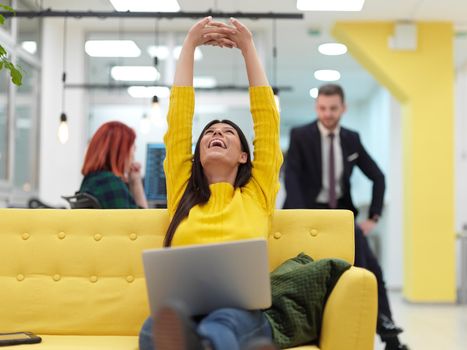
x,y
110,173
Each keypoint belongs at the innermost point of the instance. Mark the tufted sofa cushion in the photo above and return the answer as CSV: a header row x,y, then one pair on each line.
x,y
75,272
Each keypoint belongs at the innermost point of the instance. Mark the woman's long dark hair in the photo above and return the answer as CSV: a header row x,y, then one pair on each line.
x,y
197,190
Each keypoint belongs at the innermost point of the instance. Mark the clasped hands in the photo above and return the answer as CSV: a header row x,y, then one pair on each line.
x,y
214,33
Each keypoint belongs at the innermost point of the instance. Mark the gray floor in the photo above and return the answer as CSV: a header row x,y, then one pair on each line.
x,y
429,326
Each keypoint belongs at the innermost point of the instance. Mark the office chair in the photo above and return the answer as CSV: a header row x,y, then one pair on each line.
x,y
36,203
82,200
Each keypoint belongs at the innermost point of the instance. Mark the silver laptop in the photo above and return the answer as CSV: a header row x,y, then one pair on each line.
x,y
208,277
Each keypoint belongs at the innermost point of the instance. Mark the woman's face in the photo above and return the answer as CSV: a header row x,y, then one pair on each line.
x,y
221,143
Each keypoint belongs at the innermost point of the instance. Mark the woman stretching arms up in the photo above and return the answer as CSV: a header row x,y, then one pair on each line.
x,y
218,194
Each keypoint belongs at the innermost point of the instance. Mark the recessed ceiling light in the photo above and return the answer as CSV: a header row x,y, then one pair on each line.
x,y
204,82
327,75
146,5
135,73
198,53
162,52
112,48
314,92
330,5
332,49
29,46
149,91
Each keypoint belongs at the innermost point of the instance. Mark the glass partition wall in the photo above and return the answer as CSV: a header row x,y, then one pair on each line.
x,y
20,109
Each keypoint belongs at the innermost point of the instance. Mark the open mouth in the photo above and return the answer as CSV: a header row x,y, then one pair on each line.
x,y
217,143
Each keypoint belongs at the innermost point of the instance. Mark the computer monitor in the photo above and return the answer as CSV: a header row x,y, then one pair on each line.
x,y
154,179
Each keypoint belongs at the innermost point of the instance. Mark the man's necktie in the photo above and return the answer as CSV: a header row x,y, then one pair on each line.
x,y
332,174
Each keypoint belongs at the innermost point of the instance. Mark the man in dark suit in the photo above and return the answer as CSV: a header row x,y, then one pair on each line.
x,y
319,164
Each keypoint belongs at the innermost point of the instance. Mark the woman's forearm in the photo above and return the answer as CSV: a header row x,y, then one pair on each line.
x,y
184,70
195,37
254,68
137,190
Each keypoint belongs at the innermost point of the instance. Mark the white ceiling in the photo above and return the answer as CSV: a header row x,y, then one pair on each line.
x,y
298,57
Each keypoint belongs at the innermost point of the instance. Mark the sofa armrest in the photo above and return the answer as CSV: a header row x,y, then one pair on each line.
x,y
349,320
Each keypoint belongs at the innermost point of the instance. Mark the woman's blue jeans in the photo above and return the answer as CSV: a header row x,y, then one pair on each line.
x,y
226,329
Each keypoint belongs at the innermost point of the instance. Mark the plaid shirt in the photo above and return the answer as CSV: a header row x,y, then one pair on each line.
x,y
109,189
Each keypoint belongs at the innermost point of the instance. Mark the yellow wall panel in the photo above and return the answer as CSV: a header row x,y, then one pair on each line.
x,y
423,82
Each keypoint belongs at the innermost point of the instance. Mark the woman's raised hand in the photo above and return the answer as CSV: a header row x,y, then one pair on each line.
x,y
240,37
208,32
219,34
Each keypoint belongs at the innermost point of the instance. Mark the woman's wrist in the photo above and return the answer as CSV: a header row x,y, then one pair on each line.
x,y
135,181
248,48
189,45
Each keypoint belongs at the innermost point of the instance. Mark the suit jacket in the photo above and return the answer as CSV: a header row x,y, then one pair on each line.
x,y
303,169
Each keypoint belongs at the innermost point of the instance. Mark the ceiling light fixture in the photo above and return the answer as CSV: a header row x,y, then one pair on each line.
x,y
148,91
112,48
332,49
327,75
146,5
29,46
156,113
330,5
314,92
135,73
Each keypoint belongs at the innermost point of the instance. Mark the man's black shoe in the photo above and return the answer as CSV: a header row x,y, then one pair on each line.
x,y
385,327
394,344
398,347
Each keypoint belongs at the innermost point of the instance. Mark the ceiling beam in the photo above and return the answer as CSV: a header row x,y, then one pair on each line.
x,y
168,15
126,86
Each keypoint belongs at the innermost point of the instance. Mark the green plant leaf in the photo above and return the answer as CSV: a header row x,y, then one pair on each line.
x,y
7,8
15,74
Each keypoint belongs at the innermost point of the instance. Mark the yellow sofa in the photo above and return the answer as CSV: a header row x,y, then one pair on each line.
x,y
75,277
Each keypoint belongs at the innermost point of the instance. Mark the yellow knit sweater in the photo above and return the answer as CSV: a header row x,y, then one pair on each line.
x,y
230,214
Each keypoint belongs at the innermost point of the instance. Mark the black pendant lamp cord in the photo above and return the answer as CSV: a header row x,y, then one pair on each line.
x,y
155,99
156,42
274,52
64,63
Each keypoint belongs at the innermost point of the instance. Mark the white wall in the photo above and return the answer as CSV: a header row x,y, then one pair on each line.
x,y
392,239
59,172
461,148
378,121
371,119
460,163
